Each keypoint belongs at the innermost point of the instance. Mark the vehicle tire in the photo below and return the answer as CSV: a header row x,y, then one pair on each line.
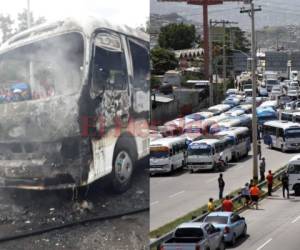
x,y
221,246
297,190
237,157
172,169
233,240
191,171
215,167
244,234
123,166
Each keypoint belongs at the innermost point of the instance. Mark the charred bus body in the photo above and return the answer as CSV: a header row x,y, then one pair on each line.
x,y
74,105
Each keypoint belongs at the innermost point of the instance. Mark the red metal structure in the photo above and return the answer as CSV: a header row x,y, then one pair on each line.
x,y
205,4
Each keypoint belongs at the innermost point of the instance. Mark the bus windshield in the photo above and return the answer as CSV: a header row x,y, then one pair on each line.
x,y
194,150
292,133
46,68
159,154
294,169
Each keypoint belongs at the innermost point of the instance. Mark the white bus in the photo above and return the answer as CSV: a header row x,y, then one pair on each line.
x,y
77,108
282,134
242,141
219,109
167,154
294,174
209,154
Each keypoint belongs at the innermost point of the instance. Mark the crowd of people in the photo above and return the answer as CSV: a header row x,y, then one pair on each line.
x,y
251,192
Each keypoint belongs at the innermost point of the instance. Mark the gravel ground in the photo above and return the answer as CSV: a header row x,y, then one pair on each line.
x,y
23,211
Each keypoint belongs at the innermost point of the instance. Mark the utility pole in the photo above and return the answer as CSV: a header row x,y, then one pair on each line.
x,y
224,57
251,13
211,78
28,15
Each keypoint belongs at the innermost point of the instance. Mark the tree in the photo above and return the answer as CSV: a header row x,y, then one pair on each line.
x,y
177,36
6,28
22,20
162,60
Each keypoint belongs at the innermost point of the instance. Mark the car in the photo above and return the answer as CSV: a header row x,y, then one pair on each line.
x,y
263,92
293,91
232,225
292,105
276,91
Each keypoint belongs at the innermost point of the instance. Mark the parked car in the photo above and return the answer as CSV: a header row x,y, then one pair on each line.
x,y
263,92
293,92
276,91
232,225
232,92
195,235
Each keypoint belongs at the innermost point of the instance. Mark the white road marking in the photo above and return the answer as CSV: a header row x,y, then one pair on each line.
x,y
153,203
173,195
263,245
295,220
212,179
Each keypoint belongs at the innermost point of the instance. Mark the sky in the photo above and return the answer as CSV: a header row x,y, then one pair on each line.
x,y
131,12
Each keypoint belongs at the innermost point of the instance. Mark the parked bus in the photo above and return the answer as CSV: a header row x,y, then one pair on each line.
x,y
76,121
202,126
282,135
294,174
224,125
242,141
209,154
265,114
218,109
167,154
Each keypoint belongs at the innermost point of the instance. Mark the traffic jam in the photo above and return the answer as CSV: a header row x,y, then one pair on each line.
x,y
214,138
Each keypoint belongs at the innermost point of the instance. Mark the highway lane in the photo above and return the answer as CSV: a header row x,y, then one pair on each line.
x,y
174,195
276,225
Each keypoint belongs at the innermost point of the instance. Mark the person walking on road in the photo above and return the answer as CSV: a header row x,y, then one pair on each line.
x,y
221,183
262,169
259,149
227,204
285,184
270,182
210,205
254,193
246,194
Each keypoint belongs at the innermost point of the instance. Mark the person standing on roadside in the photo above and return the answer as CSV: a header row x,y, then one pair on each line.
x,y
210,205
221,183
254,193
259,149
285,184
262,169
227,204
246,194
270,182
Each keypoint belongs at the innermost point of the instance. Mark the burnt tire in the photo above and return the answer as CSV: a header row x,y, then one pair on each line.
x,y
123,166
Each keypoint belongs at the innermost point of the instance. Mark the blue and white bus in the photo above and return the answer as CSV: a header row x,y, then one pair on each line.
x,y
265,114
283,135
242,141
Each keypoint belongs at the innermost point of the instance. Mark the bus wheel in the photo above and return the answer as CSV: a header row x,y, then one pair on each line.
x,y
123,165
282,149
297,190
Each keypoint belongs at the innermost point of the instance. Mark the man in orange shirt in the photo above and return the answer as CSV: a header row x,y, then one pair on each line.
x,y
270,182
254,193
227,204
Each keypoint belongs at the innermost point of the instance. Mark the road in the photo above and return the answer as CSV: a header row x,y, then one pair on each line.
x,y
274,226
172,196
23,211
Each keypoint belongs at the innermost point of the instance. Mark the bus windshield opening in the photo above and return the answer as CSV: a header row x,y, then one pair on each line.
x,y
43,69
292,133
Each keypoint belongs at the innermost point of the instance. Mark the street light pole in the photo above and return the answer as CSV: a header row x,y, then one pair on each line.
x,y
28,15
251,13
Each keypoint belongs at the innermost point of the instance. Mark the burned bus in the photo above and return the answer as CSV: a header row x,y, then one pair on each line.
x,y
74,105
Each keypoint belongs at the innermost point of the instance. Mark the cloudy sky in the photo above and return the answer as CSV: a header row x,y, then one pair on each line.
x,y
131,12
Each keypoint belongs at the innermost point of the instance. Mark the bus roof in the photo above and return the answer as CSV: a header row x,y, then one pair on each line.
x,y
168,141
219,107
282,124
207,141
295,158
85,25
233,131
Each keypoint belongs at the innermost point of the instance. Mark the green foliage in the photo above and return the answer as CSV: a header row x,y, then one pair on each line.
x,y
6,28
162,60
177,36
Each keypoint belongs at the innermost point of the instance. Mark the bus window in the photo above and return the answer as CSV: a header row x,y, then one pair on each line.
x,y
109,64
